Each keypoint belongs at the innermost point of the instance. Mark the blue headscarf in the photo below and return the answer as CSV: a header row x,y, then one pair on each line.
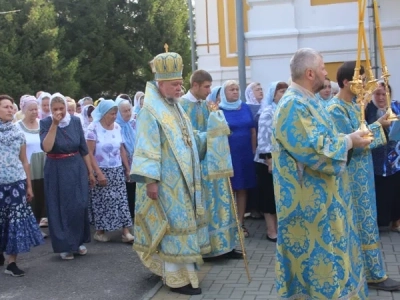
x,y
101,109
213,96
269,97
126,128
224,102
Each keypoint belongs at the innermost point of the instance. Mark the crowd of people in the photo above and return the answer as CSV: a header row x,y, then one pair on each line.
x,y
175,166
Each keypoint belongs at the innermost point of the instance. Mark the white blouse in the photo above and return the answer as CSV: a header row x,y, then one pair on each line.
x,y
32,139
108,144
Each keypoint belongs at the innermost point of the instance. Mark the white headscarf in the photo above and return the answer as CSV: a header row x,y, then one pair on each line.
x,y
249,93
65,121
136,102
43,95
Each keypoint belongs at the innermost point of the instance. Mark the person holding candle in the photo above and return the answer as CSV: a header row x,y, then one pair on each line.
x,y
318,246
346,115
386,162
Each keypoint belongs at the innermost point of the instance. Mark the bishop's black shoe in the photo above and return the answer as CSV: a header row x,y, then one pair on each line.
x,y
187,290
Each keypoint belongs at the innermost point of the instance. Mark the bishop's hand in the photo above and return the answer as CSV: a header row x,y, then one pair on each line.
x,y
152,190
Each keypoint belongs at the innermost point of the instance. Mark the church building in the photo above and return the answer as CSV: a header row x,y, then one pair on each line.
x,y
275,29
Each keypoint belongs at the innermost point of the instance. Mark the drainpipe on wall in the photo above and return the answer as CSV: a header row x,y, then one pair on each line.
x,y
192,40
241,48
373,39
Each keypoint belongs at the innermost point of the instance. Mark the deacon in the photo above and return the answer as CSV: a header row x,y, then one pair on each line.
x,y
166,167
318,247
345,114
216,192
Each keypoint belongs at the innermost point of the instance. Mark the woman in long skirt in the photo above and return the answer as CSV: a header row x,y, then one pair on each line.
x,y
66,179
19,230
109,202
29,126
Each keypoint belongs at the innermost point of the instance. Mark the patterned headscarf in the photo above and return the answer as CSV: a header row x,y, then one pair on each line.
x,y
249,93
25,101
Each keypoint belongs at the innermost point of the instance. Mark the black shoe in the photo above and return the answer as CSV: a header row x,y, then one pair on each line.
x,y
387,285
274,240
14,271
234,254
187,290
2,259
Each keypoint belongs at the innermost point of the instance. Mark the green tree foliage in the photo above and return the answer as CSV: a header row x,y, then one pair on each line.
x,y
87,47
30,57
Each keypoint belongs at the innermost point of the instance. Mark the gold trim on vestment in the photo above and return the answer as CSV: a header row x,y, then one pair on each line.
x,y
212,133
220,174
370,247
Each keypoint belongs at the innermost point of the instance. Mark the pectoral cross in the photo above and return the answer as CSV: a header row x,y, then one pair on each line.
x,y
166,47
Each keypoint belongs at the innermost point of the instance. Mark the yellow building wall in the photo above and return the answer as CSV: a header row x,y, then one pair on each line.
x,y
227,31
333,67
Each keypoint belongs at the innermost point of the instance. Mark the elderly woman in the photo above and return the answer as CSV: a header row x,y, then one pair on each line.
x,y
67,173
254,96
242,143
29,126
44,105
214,96
18,228
386,160
264,159
109,203
128,130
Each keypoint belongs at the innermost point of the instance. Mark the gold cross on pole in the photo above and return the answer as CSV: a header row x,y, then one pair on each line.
x,y
166,47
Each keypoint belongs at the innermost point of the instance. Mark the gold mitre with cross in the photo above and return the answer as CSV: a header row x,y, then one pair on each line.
x,y
167,66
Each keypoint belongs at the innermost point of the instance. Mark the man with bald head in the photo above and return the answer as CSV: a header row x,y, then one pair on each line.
x,y
318,248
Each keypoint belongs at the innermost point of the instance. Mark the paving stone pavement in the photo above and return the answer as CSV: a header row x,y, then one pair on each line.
x,y
226,279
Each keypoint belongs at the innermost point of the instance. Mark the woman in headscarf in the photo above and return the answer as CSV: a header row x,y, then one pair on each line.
x,y
242,143
29,126
137,104
44,105
18,228
254,96
86,117
386,160
20,115
263,157
325,94
335,88
67,173
128,130
109,203
214,96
